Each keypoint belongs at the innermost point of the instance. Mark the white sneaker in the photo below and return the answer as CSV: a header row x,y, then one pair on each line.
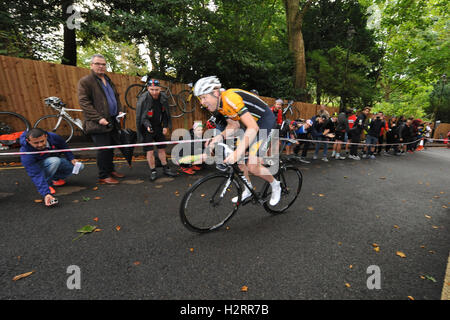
x,y
324,159
315,157
244,196
333,154
276,194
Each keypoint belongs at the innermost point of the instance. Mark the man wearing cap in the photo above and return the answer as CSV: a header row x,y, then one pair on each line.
x,y
152,125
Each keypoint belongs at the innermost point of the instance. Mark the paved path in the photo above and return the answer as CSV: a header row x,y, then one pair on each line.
x,y
320,249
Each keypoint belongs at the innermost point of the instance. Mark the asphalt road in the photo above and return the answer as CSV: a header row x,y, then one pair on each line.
x,y
320,249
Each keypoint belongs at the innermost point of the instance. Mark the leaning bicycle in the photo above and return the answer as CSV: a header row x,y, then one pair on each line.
x,y
134,91
213,200
61,123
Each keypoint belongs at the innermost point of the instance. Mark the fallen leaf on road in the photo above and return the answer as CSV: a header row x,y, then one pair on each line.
x,y
410,298
84,230
118,228
310,208
383,178
396,226
23,275
191,249
97,198
348,285
97,230
136,263
38,200
321,195
444,206
95,219
427,216
86,199
400,254
430,278
244,289
435,227
95,188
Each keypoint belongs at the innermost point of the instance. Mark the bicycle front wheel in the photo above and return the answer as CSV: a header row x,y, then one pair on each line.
x,y
132,94
208,204
56,124
186,101
11,122
291,180
175,109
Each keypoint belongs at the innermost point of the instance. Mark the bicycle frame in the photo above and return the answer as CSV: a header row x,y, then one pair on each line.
x,y
62,113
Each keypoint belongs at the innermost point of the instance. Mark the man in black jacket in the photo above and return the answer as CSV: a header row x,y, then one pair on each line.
x,y
152,124
373,132
355,133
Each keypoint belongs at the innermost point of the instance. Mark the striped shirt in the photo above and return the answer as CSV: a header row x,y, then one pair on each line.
x,y
235,102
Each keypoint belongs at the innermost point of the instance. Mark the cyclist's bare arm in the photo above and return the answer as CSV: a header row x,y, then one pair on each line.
x,y
229,131
249,136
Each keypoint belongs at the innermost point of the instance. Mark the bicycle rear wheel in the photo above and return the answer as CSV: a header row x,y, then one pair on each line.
x,y
291,180
11,125
11,122
208,205
56,124
132,94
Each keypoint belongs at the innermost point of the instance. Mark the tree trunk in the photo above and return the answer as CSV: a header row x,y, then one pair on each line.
x,y
70,44
294,19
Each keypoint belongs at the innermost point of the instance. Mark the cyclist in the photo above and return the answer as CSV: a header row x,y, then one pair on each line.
x,y
240,106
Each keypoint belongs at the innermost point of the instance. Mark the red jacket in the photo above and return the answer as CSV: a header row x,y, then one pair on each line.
x,y
278,114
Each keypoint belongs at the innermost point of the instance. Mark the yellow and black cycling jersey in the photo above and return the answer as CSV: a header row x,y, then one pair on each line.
x,y
235,102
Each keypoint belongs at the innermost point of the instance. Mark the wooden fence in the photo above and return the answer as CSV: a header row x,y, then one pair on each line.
x,y
24,84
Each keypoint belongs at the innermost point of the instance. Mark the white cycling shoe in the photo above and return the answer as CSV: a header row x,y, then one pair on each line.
x,y
244,196
276,194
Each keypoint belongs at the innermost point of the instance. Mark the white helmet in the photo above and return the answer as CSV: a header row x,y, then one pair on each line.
x,y
206,85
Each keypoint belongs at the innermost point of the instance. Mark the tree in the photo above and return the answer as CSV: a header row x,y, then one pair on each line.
x,y
440,101
295,12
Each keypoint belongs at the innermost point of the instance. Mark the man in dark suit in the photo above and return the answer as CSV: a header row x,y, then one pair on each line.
x,y
100,102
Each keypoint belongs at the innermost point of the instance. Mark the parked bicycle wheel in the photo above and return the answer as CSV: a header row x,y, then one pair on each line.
x,y
132,94
291,180
56,124
11,122
186,101
207,205
175,108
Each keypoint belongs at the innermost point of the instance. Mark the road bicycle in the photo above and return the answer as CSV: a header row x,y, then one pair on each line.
x,y
12,125
208,204
134,91
61,123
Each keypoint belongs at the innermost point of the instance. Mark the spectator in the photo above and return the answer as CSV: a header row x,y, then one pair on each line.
x,y
342,127
373,132
392,136
330,124
323,111
278,112
381,137
46,169
100,102
152,125
319,133
302,133
427,133
355,133
196,148
406,135
351,122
